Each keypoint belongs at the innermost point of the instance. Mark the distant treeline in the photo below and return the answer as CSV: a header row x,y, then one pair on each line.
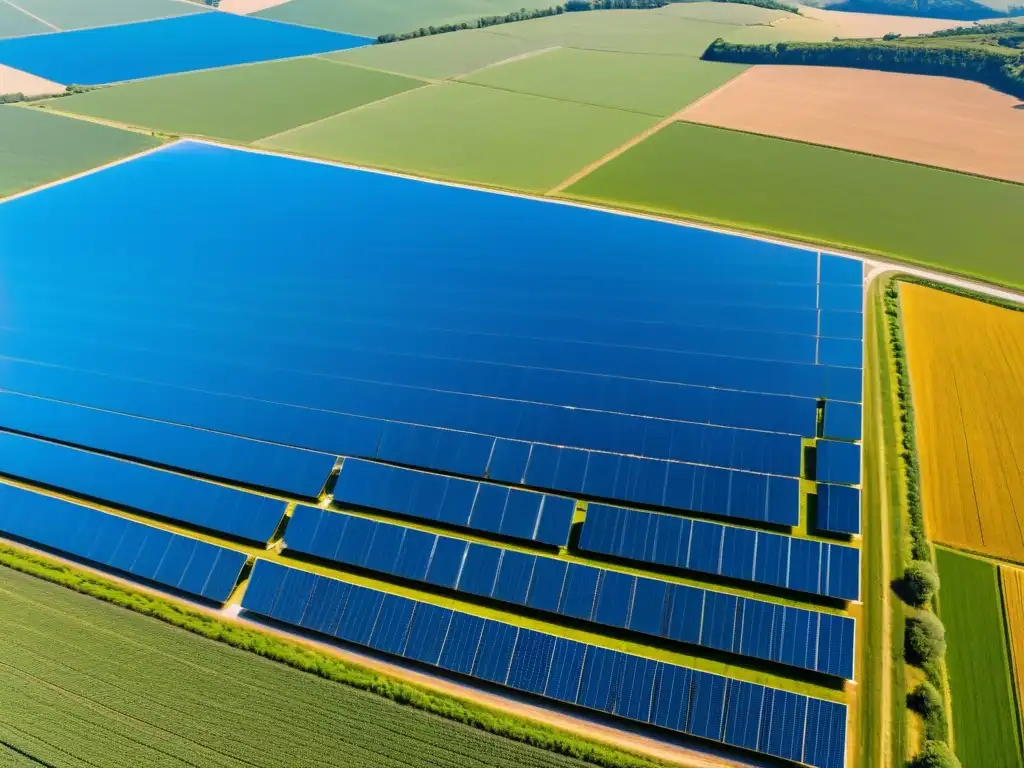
x,y
961,10
15,98
570,6
1002,72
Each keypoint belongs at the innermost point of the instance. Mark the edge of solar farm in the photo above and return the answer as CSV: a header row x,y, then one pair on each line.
x,y
562,202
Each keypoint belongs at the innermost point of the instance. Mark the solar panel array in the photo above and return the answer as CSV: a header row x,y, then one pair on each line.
x,y
182,563
453,501
802,565
464,381
153,491
755,717
802,638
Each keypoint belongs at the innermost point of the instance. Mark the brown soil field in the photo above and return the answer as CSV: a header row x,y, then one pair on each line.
x,y
940,121
248,6
966,361
16,81
850,24
1012,582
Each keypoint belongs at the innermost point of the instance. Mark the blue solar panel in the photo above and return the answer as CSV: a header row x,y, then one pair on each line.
x,y
685,612
756,556
514,575
743,714
249,462
566,670
546,586
842,420
614,598
446,562
74,530
479,569
141,488
840,270
579,591
841,298
825,737
718,629
838,509
633,688
465,503
648,611
842,325
842,352
838,462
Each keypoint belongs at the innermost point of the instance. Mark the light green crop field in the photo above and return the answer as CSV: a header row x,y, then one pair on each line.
x,y
638,31
239,103
14,23
984,711
953,221
470,133
80,14
378,17
651,84
440,57
86,683
723,13
36,147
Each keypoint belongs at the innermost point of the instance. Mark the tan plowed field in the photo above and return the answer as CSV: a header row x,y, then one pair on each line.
x,y
1012,580
966,363
938,121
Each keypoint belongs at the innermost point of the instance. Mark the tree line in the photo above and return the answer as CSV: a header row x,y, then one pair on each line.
x,y
1000,71
570,6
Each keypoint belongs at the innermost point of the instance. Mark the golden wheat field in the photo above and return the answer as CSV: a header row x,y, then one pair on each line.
x,y
966,363
1012,580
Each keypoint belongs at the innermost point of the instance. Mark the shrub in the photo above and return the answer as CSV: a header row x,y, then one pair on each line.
x,y
935,754
924,639
921,582
926,700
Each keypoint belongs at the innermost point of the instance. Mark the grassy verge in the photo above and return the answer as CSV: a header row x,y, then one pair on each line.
x,y
881,702
319,664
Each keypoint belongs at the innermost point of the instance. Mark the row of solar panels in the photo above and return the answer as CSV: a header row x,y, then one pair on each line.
x,y
445,338
138,487
747,627
673,330
803,565
175,561
422,495
602,475
754,717
381,397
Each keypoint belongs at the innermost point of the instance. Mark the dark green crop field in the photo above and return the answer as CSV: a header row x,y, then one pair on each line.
x,y
949,220
85,683
984,712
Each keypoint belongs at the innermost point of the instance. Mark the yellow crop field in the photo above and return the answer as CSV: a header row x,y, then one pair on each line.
x,y
1012,580
966,363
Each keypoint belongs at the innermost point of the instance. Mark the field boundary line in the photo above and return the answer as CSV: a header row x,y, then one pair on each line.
x,y
92,119
619,150
368,68
530,94
31,15
675,117
80,174
345,112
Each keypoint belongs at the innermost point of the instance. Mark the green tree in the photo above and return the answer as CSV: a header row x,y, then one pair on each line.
x,y
924,638
920,582
935,754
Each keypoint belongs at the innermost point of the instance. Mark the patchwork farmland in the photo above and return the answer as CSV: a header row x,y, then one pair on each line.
x,y
319,344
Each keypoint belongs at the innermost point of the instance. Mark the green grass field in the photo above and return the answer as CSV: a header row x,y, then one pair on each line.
x,y
79,14
650,84
14,23
639,31
36,147
470,133
952,221
377,17
86,683
984,712
239,103
440,57
723,13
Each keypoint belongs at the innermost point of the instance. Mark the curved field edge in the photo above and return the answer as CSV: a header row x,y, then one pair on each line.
x,y
320,664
